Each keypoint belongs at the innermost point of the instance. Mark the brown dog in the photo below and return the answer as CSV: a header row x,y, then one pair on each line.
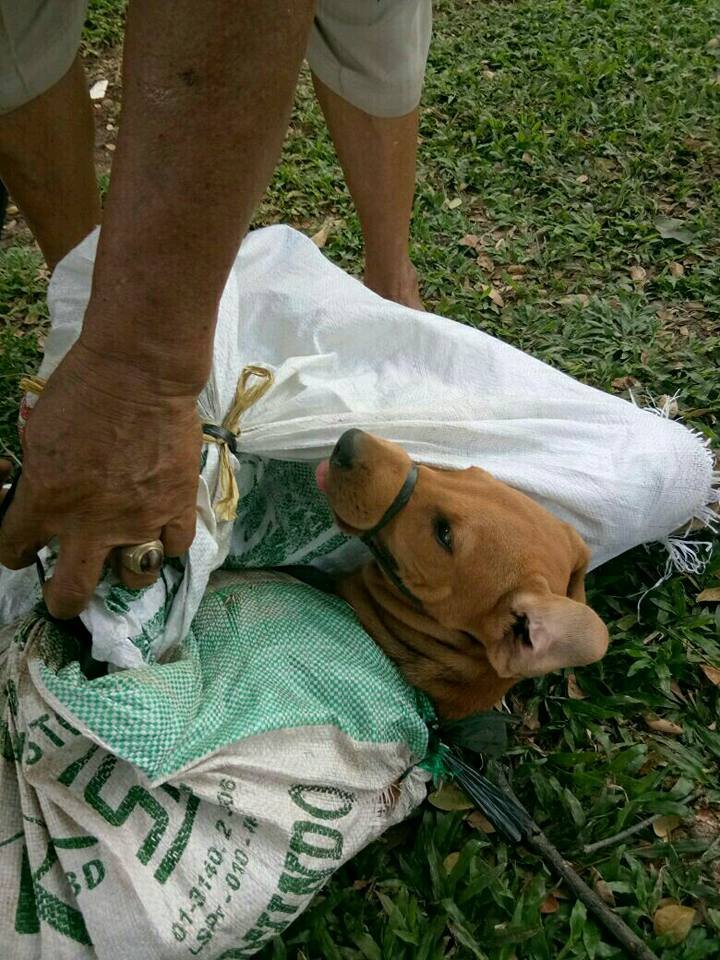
x,y
473,586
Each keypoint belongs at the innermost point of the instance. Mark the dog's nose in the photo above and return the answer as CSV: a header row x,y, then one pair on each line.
x,y
343,456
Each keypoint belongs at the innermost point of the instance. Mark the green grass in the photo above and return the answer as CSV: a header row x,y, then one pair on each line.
x,y
524,100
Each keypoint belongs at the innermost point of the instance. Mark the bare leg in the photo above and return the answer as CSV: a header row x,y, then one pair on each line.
x,y
46,162
378,155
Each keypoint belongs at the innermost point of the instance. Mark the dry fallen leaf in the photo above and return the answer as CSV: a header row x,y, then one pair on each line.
x,y
673,921
713,43
575,691
583,178
712,673
638,274
480,822
663,726
496,297
706,824
602,889
575,299
454,203
450,860
516,270
320,238
711,595
450,797
527,157
98,89
551,904
625,383
676,269
485,262
668,405
663,826
470,240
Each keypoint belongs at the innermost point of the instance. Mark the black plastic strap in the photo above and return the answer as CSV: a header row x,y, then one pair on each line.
x,y
220,433
9,496
396,506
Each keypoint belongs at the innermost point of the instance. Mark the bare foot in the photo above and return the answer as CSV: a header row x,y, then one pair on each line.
x,y
400,285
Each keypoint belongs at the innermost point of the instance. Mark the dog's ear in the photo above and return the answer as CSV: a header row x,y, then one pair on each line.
x,y
548,632
581,554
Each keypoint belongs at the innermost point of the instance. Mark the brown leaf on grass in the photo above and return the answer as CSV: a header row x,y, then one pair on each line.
x,y
575,691
527,157
486,263
516,270
712,673
676,269
470,240
602,889
638,274
496,297
450,797
575,299
663,726
583,178
478,821
361,884
320,238
668,405
663,826
706,824
450,860
550,904
713,43
711,595
454,203
625,383
673,921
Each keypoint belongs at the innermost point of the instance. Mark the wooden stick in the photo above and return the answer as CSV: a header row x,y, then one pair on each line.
x,y
619,837
616,926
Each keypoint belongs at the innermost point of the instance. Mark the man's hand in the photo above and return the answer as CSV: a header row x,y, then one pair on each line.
x,y
110,459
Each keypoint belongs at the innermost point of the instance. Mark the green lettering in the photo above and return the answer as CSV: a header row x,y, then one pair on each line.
x,y
299,845
94,873
26,915
72,880
41,724
330,796
278,905
177,847
70,772
136,797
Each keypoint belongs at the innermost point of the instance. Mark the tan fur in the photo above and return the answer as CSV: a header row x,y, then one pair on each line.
x,y
511,559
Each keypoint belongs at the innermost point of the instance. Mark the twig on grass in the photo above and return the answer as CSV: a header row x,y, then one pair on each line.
x,y
612,922
619,837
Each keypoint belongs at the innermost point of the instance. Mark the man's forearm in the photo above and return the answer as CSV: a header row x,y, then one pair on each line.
x,y
207,93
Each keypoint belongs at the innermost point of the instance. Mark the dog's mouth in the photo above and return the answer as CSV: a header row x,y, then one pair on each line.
x,y
322,476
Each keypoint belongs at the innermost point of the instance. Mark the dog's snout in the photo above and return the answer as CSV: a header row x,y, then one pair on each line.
x,y
343,456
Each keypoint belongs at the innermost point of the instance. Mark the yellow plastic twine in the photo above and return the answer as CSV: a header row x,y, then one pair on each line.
x,y
32,385
245,397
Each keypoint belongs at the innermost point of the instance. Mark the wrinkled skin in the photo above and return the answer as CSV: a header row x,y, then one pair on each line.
x,y
499,578
79,483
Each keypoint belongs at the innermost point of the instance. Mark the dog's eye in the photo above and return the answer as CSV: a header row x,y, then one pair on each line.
x,y
443,534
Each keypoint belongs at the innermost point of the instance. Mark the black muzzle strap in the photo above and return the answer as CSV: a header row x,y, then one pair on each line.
x,y
385,560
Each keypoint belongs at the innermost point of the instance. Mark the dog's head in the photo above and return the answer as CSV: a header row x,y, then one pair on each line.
x,y
498,579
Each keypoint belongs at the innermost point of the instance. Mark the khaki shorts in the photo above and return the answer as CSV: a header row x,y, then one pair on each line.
x,y
370,52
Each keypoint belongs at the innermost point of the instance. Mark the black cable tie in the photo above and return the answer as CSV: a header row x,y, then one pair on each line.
x,y
221,433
